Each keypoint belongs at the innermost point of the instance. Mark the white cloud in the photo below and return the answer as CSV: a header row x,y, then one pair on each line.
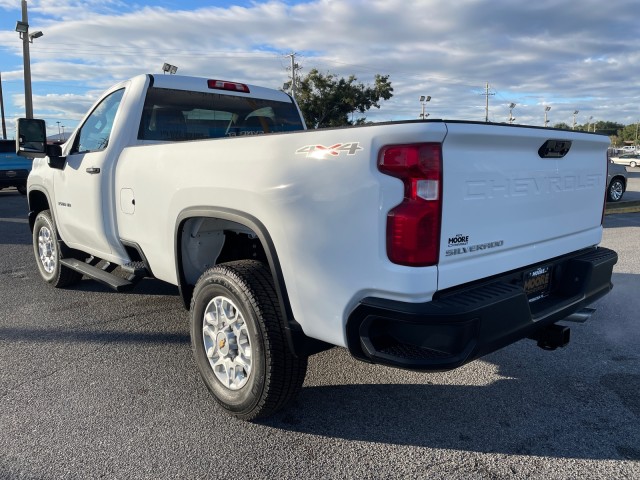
x,y
561,53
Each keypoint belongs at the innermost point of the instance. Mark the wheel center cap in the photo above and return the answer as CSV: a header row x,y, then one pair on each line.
x,y
223,344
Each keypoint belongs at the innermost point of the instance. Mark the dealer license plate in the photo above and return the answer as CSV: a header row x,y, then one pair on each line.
x,y
537,283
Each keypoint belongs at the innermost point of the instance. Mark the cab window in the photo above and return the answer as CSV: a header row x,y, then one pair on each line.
x,y
94,133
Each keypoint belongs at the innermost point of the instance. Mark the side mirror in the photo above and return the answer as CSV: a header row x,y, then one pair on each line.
x,y
31,139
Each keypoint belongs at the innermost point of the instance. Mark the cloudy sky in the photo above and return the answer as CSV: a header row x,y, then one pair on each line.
x,y
566,54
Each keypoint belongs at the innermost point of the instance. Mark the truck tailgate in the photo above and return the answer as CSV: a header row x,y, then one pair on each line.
x,y
504,206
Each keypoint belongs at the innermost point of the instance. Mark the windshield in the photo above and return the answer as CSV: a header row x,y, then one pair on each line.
x,y
179,115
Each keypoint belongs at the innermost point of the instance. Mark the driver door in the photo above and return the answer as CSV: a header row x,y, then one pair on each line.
x,y
82,188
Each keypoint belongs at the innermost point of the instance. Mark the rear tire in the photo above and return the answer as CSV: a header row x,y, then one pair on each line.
x,y
239,343
616,190
633,164
46,249
22,189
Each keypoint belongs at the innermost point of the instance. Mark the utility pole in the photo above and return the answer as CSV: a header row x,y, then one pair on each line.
x,y
294,67
28,98
486,108
4,126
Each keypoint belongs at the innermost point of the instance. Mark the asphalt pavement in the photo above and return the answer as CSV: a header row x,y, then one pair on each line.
x,y
99,384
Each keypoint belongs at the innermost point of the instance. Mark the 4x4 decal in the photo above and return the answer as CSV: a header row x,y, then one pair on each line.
x,y
320,151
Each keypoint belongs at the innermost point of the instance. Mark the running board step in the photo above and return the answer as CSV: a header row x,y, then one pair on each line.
x,y
137,269
112,281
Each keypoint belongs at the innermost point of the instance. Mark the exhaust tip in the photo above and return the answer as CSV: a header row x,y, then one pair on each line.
x,y
580,316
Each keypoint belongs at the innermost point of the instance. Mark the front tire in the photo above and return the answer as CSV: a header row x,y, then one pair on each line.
x,y
239,343
615,191
633,164
46,249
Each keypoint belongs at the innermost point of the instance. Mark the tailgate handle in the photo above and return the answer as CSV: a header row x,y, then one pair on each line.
x,y
554,148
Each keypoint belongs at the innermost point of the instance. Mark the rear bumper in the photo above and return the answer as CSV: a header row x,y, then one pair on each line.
x,y
465,323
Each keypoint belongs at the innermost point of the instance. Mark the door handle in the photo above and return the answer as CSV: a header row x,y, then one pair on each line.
x,y
93,170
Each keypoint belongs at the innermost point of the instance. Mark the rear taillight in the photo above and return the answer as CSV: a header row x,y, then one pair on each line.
x,y
413,226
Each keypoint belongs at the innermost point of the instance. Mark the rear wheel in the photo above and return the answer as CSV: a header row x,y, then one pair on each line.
x,y
47,252
632,164
22,189
616,189
239,343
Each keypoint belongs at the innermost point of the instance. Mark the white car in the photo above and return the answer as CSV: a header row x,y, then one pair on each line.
x,y
630,159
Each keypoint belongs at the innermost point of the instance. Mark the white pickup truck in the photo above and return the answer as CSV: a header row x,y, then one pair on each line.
x,y
417,244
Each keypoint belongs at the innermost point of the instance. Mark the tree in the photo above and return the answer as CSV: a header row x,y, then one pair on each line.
x,y
629,133
562,125
329,101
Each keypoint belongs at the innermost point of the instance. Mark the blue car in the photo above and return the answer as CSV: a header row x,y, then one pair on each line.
x,y
14,170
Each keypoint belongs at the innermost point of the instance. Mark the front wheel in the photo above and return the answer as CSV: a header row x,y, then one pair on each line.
x,y
238,341
616,189
632,164
47,252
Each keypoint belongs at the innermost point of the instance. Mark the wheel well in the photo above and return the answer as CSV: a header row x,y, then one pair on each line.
x,y
621,178
37,203
206,241
207,237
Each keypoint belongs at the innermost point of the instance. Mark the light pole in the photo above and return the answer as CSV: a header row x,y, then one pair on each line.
x,y
546,110
423,100
4,125
589,122
575,114
22,27
63,137
511,117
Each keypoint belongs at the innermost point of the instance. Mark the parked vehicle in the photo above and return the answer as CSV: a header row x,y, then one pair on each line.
x,y
14,169
630,159
616,182
419,244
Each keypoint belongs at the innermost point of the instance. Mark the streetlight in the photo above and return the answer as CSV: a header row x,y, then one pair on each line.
x,y
511,117
546,110
575,114
22,27
168,68
589,122
423,100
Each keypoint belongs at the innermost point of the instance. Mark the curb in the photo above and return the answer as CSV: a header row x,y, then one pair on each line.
x,y
622,207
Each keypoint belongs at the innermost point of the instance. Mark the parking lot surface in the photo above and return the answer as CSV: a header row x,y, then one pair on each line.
x,y
99,384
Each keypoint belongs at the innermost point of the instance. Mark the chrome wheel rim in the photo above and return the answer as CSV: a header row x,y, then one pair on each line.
x,y
46,250
226,343
616,191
